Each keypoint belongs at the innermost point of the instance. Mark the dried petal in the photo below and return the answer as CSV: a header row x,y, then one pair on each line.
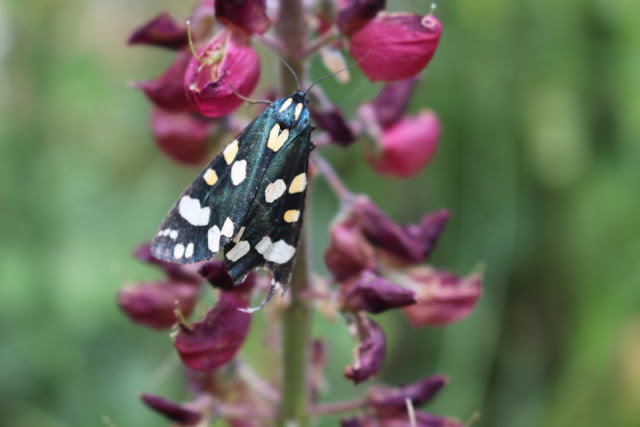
x,y
373,294
443,297
352,422
428,231
167,90
391,103
349,252
181,136
246,15
228,62
395,46
211,343
335,124
154,304
177,272
218,276
369,355
355,14
384,233
173,411
407,146
386,401
162,31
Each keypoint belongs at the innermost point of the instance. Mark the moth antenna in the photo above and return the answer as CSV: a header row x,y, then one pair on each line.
x,y
193,49
335,72
295,76
244,98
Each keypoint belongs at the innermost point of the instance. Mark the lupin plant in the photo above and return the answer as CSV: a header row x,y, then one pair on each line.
x,y
375,264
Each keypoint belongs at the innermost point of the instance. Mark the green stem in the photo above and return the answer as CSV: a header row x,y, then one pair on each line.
x,y
296,320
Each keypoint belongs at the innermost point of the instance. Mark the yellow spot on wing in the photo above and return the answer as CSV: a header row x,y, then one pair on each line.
x,y
210,176
273,136
292,215
285,105
296,114
298,184
230,151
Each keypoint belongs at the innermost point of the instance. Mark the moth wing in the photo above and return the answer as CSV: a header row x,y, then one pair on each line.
x,y
211,209
271,231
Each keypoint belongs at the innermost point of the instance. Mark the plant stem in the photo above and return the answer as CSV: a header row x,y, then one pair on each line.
x,y
296,319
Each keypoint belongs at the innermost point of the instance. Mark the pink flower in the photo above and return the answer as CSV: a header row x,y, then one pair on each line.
x,y
162,31
227,64
373,294
407,146
349,252
388,401
245,15
167,90
182,136
395,46
443,297
354,14
180,413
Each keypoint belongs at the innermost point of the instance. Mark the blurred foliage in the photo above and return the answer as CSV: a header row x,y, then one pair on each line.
x,y
539,163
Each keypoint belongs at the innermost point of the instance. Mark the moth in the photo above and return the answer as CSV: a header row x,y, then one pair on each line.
x,y
249,201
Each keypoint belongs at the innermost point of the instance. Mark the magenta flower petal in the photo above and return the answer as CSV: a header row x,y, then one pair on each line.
x,y
216,273
355,14
335,124
428,231
373,294
407,146
181,136
247,15
443,297
386,401
162,31
349,252
177,272
228,62
395,46
154,304
369,355
173,411
167,90
392,101
211,343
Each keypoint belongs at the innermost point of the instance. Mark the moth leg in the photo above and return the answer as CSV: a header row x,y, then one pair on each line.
x,y
274,285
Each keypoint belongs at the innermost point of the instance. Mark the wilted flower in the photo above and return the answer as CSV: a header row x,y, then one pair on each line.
x,y
216,273
167,91
391,102
348,253
387,401
373,294
369,355
212,342
395,46
227,66
443,297
354,14
173,411
155,304
246,15
162,31
407,146
335,124
182,136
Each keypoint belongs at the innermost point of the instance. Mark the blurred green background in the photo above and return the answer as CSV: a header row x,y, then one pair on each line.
x,y
539,163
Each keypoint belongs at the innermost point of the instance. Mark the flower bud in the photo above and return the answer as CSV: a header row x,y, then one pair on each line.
x,y
443,297
407,146
428,231
216,273
335,124
355,14
386,401
349,252
227,64
181,136
395,46
392,100
162,31
369,355
214,341
373,294
245,15
155,304
173,411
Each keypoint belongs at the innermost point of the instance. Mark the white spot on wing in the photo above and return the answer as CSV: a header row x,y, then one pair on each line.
x,y
191,211
238,172
230,151
227,228
173,234
285,105
279,252
178,251
188,253
299,108
274,191
298,184
213,239
263,245
238,251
